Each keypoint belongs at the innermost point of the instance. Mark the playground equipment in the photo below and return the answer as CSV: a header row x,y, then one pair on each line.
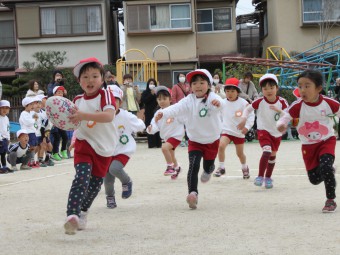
x,y
325,57
140,69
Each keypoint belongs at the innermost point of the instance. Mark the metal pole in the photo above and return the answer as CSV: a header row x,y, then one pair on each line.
x,y
153,56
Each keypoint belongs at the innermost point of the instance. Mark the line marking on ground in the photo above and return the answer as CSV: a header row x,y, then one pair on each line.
x,y
34,179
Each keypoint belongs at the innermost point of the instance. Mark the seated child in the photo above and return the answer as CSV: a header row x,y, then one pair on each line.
x,y
19,152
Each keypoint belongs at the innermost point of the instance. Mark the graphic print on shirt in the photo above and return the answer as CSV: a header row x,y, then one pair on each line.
x,y
123,138
313,131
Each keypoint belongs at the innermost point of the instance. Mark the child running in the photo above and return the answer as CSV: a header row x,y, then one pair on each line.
x,y
268,109
126,123
171,131
316,132
232,109
201,112
96,139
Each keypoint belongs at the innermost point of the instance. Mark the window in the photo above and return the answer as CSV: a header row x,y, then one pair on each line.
x,y
7,34
71,20
214,20
147,18
320,10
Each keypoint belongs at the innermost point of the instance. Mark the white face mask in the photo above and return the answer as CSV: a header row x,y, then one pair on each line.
x,y
181,79
152,86
216,81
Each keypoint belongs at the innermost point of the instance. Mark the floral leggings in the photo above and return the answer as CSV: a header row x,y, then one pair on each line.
x,y
85,187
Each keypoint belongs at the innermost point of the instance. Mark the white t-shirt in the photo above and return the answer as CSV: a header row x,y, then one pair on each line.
x,y
4,127
27,122
102,137
127,123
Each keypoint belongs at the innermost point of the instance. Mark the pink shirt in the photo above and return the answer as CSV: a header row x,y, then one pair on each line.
x,y
179,91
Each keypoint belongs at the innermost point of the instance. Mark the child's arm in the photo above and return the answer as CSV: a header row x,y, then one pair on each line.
x,y
137,125
177,110
249,123
153,127
245,114
100,117
282,123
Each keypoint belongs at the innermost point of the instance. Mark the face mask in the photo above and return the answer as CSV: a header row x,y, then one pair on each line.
x,y
152,86
181,79
216,81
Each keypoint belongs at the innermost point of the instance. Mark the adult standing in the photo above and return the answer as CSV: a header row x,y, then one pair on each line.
x,y
149,100
218,86
110,79
34,89
248,88
180,90
57,80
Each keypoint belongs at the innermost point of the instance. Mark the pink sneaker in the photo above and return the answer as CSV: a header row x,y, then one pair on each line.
x,y
71,225
169,171
174,176
246,173
192,200
330,206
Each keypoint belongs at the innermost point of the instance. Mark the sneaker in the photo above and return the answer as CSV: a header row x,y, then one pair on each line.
x,y
71,225
7,169
219,172
205,177
330,206
127,190
25,167
34,165
174,176
82,220
192,199
258,181
268,183
42,164
111,202
246,173
64,154
14,168
49,162
169,171
56,157
3,171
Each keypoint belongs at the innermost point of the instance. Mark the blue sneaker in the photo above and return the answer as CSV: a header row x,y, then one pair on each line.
x,y
127,190
258,181
268,183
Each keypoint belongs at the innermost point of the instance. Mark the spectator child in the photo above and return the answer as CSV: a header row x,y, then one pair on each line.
x,y
232,109
171,131
268,112
201,112
316,132
132,95
126,123
4,134
19,152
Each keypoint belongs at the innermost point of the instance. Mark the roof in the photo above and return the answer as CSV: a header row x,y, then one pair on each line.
x,y
8,59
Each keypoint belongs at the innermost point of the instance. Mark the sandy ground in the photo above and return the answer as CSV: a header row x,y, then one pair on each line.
x,y
233,215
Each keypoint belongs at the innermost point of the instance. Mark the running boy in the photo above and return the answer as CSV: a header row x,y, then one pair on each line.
x,y
268,109
96,139
171,131
126,123
4,134
316,132
232,109
201,111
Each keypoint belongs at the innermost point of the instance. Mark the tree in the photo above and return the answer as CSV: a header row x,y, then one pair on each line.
x,y
328,19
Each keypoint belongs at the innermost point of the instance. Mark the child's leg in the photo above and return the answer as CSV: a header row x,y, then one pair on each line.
x,y
64,138
224,141
173,158
109,182
56,141
267,151
240,154
194,167
3,159
208,166
324,172
271,164
166,150
79,188
117,170
92,192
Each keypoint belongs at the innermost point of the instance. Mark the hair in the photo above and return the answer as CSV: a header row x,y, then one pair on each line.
x,y
164,93
271,83
231,87
31,84
151,79
93,65
127,76
312,74
248,75
179,75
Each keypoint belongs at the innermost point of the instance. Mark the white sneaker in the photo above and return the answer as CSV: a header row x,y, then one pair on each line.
x,y
71,225
205,177
82,220
192,200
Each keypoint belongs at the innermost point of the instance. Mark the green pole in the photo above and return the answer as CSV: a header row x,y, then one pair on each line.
x,y
223,74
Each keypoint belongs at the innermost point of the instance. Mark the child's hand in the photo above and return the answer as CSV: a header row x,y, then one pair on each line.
x,y
216,103
76,116
244,131
35,116
158,116
149,128
274,108
71,146
282,128
242,123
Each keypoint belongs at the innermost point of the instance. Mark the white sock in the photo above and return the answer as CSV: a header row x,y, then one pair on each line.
x,y
221,164
176,166
244,166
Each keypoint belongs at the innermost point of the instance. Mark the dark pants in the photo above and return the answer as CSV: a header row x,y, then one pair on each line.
x,y
194,167
154,141
56,135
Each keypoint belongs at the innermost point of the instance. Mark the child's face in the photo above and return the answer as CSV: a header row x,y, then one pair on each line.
x,y
199,87
37,106
30,107
308,90
91,81
163,101
231,94
269,92
23,139
59,93
127,81
43,102
118,103
4,111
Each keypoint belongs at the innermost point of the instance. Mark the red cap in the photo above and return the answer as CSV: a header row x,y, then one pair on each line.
x,y
232,82
83,62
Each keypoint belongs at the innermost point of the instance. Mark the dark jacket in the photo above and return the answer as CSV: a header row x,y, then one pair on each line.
x,y
150,103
